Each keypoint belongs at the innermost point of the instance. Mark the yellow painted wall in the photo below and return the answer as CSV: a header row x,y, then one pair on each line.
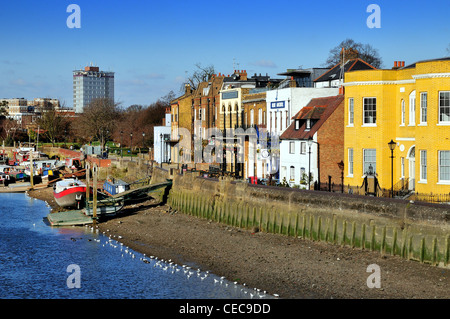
x,y
390,87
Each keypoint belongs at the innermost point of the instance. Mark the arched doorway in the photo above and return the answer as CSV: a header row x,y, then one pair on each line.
x,y
412,168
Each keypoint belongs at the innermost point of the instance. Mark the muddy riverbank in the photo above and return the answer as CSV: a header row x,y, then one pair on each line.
x,y
289,267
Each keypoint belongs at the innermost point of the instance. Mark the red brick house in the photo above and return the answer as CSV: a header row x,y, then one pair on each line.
x,y
314,143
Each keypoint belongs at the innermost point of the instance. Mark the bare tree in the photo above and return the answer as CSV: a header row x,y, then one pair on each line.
x,y
365,52
448,50
99,120
201,74
53,124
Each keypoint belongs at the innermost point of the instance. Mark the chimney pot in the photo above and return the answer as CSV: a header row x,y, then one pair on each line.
x,y
395,64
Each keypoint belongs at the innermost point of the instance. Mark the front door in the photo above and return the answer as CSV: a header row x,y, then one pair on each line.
x,y
412,169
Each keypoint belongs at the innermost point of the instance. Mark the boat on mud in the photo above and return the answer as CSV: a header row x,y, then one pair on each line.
x,y
69,192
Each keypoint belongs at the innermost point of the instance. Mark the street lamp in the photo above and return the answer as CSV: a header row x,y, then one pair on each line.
x,y
392,145
310,141
131,146
341,167
160,147
121,142
143,146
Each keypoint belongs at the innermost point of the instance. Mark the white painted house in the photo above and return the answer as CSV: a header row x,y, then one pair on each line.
x,y
282,105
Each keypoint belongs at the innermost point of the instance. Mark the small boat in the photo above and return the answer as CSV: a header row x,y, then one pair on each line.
x,y
114,186
69,192
105,207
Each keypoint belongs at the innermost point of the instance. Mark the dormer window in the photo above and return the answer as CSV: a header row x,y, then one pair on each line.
x,y
297,125
308,124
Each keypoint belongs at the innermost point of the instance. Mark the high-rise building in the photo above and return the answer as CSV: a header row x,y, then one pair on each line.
x,y
89,84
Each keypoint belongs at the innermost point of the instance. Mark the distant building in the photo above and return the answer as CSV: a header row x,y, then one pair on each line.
x,y
161,140
89,84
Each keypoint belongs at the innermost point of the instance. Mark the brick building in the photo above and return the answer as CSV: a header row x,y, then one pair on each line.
x,y
314,143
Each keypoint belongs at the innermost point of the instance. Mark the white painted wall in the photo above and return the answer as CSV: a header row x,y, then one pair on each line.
x,y
298,161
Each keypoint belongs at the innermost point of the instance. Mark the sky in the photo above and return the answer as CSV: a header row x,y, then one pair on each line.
x,y
153,45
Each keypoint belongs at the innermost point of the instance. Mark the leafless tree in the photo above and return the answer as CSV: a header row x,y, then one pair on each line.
x,y
201,74
365,52
99,120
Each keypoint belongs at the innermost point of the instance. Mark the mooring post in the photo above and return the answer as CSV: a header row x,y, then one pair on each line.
x,y
94,189
31,169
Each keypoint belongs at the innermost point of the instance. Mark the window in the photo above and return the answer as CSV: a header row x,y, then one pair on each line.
x,y
287,119
412,108
297,125
444,166
402,115
369,160
308,125
292,173
350,111
370,110
444,107
302,147
423,107
350,161
423,165
264,117
291,147
252,117
259,116
402,167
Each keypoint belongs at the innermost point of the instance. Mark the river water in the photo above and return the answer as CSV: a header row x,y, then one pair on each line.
x,y
42,262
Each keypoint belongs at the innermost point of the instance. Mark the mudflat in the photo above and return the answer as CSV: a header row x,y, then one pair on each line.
x,y
289,267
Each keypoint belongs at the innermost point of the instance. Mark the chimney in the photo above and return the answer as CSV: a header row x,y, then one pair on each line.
x,y
397,65
187,88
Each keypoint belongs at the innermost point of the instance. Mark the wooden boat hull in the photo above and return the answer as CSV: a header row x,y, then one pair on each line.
x,y
70,197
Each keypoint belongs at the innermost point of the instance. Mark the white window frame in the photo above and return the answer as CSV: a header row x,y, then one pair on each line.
x,y
302,147
364,160
291,147
402,113
412,108
402,167
350,162
351,111
443,181
423,166
423,106
291,173
440,106
374,123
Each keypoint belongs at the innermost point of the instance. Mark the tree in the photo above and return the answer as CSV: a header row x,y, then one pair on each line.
x,y
53,124
98,120
3,108
448,50
364,51
201,74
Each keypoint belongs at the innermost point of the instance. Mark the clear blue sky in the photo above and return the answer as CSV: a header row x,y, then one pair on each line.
x,y
150,45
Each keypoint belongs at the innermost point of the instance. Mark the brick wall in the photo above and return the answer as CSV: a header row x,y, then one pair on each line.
x,y
331,143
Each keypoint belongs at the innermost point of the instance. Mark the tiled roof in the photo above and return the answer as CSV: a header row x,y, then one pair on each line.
x,y
318,109
351,65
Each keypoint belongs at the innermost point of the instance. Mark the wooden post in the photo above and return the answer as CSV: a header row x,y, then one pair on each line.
x,y
31,169
87,167
94,190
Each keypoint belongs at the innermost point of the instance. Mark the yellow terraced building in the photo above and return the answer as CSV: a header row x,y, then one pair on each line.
x,y
409,105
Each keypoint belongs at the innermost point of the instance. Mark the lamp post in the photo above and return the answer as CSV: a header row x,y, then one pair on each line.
x,y
131,146
160,148
341,167
392,145
310,141
121,142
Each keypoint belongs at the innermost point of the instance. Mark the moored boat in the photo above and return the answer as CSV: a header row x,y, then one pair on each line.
x,y
69,192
